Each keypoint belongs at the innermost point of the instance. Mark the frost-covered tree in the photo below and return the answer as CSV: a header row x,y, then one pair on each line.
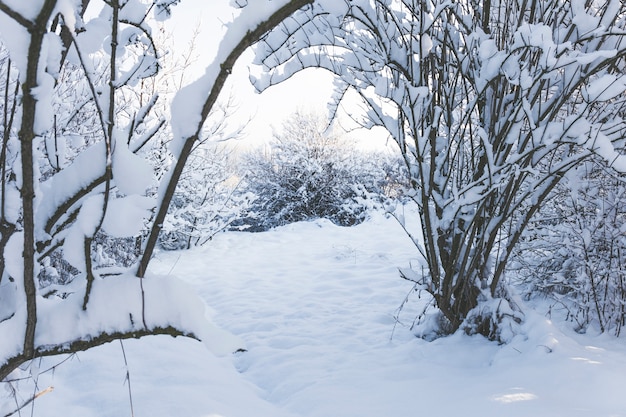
x,y
63,184
490,102
308,171
574,251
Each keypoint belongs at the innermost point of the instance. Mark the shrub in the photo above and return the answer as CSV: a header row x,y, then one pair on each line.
x,y
310,172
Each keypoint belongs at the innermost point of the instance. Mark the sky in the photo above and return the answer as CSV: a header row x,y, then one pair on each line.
x,y
309,91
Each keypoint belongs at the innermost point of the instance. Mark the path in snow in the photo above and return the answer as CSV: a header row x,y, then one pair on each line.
x,y
313,317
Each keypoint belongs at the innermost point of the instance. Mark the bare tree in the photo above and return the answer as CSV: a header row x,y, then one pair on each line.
x,y
490,103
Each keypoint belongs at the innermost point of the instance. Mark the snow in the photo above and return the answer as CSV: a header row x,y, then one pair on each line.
x,y
585,22
67,9
605,88
588,58
92,38
16,39
85,226
185,108
28,9
132,173
116,304
314,305
13,256
492,61
124,216
12,207
134,11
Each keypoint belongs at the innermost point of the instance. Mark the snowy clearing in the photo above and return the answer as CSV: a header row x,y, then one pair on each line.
x,y
314,305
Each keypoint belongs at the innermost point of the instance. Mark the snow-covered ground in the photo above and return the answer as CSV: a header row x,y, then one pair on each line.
x,y
314,306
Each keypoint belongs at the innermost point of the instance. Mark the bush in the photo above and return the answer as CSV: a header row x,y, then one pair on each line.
x,y
575,252
309,172
205,201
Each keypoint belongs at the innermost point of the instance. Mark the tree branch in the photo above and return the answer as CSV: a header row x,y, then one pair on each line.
x,y
80,345
20,19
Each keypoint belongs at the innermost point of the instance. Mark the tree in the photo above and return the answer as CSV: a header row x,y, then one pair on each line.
x,y
490,103
102,186
309,172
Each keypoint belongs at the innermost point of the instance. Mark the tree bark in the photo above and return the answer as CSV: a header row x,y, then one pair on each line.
x,y
27,134
80,345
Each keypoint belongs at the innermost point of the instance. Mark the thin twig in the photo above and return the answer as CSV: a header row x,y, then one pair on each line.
x,y
130,391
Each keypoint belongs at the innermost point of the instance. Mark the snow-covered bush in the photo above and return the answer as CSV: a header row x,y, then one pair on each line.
x,y
575,251
206,200
310,172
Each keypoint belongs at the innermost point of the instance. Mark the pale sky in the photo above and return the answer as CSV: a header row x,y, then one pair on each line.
x,y
309,91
